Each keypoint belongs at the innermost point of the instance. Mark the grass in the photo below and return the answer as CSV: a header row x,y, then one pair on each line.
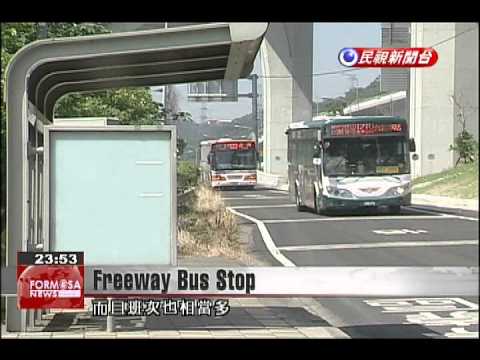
x,y
460,182
207,228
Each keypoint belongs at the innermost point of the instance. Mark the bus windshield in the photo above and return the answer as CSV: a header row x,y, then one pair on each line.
x,y
364,156
235,160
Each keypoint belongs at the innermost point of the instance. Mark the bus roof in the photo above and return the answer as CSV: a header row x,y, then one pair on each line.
x,y
321,121
219,141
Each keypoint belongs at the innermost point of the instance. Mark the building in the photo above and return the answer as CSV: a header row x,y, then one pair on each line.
x,y
395,35
394,82
438,95
394,104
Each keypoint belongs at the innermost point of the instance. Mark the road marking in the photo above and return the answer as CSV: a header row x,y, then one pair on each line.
x,y
254,198
422,311
398,231
379,245
267,239
278,192
262,206
442,214
405,217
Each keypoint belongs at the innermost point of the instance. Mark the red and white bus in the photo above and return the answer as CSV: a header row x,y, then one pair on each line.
x,y
228,163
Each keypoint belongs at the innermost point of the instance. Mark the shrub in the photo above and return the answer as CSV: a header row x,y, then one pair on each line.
x,y
466,147
187,175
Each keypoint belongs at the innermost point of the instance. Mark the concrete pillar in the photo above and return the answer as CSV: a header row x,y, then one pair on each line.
x,y
432,121
287,87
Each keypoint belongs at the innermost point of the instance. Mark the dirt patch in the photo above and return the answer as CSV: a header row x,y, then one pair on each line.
x,y
207,228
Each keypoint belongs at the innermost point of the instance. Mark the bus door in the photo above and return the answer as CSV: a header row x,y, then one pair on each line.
x,y
308,168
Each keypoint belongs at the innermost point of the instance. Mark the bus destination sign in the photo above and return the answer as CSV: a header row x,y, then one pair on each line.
x,y
359,129
234,146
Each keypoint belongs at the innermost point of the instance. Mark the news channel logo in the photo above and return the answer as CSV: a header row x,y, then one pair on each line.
x,y
348,57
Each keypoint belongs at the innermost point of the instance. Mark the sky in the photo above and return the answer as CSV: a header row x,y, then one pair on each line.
x,y
328,40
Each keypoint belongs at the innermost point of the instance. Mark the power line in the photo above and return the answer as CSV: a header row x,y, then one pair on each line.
x,y
313,75
358,69
454,36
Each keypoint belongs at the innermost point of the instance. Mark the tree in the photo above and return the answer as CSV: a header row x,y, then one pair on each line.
x,y
465,144
133,106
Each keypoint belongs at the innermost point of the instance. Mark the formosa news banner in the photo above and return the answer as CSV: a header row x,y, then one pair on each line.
x,y
60,280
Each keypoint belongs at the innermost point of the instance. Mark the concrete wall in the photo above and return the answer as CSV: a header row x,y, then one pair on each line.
x,y
431,109
287,66
466,75
433,115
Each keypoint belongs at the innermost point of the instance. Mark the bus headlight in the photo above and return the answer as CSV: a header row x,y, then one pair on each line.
x,y
397,190
339,192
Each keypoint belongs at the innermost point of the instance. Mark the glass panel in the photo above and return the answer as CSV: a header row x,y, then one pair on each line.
x,y
366,156
111,196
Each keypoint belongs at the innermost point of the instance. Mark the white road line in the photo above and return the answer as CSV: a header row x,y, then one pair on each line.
x,y
267,239
379,245
255,198
442,214
278,192
404,217
262,206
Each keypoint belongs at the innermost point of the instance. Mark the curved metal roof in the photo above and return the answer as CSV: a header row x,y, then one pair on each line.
x,y
145,58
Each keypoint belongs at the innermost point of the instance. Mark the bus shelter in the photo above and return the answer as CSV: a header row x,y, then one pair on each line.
x,y
44,71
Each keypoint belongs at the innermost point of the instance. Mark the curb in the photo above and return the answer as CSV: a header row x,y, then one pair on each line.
x,y
446,202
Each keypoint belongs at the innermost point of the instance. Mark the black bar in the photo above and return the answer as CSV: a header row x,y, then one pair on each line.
x,y
28,258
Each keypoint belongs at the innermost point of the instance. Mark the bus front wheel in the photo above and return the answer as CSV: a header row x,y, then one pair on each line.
x,y
298,201
318,206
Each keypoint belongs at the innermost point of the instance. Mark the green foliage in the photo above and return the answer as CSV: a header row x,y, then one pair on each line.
x,y
371,90
187,175
336,105
460,182
466,147
133,106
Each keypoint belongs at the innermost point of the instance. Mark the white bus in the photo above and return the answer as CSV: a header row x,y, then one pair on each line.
x,y
228,163
350,162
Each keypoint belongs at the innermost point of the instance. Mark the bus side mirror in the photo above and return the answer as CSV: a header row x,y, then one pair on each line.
x,y
209,158
412,146
317,151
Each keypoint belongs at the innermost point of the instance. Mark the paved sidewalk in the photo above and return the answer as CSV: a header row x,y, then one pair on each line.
x,y
248,318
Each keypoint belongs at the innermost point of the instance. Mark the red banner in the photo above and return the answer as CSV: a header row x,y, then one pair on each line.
x,y
388,57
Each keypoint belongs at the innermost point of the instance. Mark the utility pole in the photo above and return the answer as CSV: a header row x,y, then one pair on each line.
x,y
254,78
254,96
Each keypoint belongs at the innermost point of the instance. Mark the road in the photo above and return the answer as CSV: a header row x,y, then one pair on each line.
x,y
418,236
